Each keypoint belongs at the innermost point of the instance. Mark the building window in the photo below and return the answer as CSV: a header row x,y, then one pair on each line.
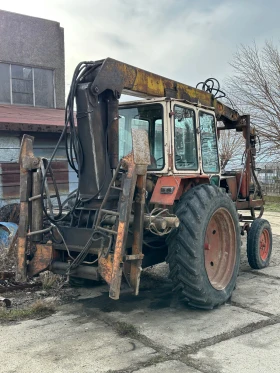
x,y
22,85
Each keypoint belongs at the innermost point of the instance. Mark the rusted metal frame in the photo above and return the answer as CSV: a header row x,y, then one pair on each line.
x,y
27,161
43,166
105,267
22,242
253,161
246,205
112,267
248,151
133,257
100,212
43,256
36,205
250,162
125,210
138,226
247,166
120,77
141,157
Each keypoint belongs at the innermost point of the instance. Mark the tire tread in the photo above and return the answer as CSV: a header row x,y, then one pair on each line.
x,y
185,270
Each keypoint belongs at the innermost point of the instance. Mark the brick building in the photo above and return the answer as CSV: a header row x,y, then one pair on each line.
x,y
32,96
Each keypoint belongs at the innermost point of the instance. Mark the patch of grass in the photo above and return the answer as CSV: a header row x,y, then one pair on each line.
x,y
272,206
126,330
272,199
37,310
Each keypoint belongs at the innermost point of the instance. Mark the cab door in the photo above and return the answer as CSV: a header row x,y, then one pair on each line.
x,y
185,141
210,162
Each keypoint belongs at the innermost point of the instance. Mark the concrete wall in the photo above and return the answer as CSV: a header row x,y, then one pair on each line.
x,y
36,42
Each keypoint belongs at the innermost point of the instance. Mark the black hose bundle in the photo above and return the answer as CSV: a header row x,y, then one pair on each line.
x,y
73,150
211,85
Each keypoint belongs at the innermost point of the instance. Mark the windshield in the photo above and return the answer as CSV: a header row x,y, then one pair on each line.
x,y
144,117
185,139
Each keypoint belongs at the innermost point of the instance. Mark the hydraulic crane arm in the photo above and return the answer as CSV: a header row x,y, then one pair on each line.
x,y
120,78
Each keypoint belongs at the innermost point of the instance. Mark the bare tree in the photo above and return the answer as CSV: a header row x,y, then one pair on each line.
x,y
254,88
231,148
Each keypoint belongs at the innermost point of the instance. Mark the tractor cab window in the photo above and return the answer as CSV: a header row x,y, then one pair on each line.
x,y
208,139
148,118
185,139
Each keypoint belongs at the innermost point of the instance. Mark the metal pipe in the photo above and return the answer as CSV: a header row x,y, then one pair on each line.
x,y
88,272
161,222
39,232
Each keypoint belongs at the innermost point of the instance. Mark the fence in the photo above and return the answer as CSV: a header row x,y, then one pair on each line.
x,y
269,177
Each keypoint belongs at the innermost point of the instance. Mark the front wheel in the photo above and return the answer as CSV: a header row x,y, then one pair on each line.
x,y
259,244
204,252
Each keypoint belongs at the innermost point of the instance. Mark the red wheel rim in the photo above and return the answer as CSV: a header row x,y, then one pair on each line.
x,y
220,249
264,246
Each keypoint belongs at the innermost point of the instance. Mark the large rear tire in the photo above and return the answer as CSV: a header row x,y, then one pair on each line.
x,y
204,252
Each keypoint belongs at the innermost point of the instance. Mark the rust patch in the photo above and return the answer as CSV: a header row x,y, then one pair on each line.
x,y
105,268
232,184
138,225
43,256
116,267
26,151
127,161
21,259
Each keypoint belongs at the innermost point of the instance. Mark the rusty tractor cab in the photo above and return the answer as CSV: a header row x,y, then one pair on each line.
x,y
150,189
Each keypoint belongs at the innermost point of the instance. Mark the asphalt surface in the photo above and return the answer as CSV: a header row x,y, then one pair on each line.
x,y
155,332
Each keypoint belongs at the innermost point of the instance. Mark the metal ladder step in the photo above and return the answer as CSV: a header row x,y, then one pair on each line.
x,y
117,188
106,230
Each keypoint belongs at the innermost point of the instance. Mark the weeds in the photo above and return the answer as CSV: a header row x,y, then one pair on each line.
x,y
37,310
126,330
51,281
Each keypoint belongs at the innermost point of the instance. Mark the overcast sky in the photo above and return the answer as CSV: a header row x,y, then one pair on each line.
x,y
181,39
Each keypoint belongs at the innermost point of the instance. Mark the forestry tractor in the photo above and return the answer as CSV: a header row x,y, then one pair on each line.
x,y
150,188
